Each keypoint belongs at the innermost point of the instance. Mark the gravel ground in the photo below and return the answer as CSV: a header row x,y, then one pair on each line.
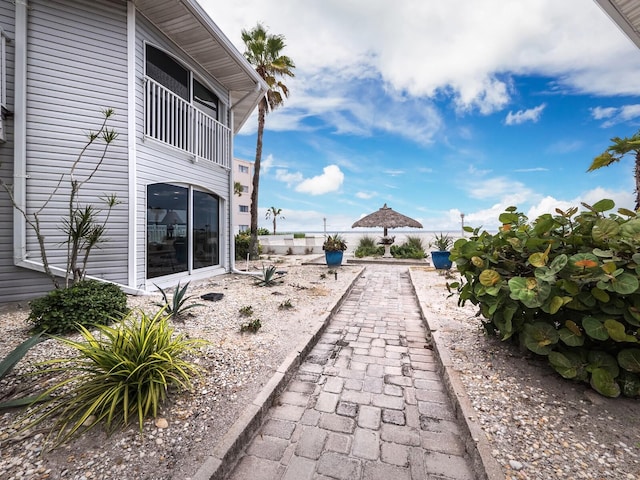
x,y
539,426
237,366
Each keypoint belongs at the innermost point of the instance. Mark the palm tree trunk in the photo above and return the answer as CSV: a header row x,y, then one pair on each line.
x,y
253,243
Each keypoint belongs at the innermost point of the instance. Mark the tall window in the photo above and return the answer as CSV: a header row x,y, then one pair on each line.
x,y
169,73
182,229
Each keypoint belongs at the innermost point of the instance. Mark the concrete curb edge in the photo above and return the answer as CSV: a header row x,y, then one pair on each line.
x,y
225,454
476,444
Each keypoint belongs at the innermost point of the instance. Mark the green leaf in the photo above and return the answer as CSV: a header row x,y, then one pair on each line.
x,y
625,284
602,253
629,359
616,330
558,263
570,339
600,295
538,259
556,304
603,383
540,337
594,328
563,365
599,359
529,291
584,262
628,213
489,278
603,205
631,230
605,229
509,218
17,353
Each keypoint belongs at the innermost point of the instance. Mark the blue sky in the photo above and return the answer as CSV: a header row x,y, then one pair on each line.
x,y
440,108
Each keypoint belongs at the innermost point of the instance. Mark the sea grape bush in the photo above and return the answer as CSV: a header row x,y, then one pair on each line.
x,y
565,286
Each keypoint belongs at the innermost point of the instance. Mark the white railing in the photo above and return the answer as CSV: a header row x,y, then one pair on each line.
x,y
172,120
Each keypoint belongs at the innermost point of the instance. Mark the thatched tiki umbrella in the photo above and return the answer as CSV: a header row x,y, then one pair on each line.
x,y
386,217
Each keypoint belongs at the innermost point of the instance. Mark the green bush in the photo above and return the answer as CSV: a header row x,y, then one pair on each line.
x,y
367,247
242,244
88,302
564,286
123,373
411,248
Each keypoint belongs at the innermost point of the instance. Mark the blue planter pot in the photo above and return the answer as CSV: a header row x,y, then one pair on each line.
x,y
334,259
441,260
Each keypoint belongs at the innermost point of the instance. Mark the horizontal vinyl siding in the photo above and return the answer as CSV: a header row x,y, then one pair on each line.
x,y
159,163
77,67
16,284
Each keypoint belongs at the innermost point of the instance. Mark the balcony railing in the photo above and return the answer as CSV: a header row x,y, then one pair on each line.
x,y
172,120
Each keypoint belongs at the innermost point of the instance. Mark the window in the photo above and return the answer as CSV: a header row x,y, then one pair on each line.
x,y
243,169
244,208
182,229
245,189
181,110
243,228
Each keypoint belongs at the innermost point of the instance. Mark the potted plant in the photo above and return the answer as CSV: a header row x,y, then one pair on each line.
x,y
334,246
443,243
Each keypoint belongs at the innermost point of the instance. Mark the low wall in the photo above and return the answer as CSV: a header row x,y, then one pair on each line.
x,y
287,245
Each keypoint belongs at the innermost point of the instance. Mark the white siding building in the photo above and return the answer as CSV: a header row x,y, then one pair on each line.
x,y
180,91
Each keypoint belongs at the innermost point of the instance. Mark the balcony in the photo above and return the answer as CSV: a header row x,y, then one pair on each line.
x,y
172,120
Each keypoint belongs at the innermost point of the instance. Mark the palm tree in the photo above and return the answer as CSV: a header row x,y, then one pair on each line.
x,y
619,148
274,213
237,188
263,52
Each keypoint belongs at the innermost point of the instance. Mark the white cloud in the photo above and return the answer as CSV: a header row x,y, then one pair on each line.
x,y
287,177
521,116
616,115
424,49
329,181
365,195
266,163
599,113
534,169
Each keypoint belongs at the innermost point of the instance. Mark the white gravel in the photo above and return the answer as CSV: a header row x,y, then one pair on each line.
x,y
539,426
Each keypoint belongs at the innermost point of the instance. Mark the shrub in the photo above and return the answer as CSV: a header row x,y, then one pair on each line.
x,y
242,241
253,326
88,302
367,247
269,276
123,373
411,248
176,308
564,286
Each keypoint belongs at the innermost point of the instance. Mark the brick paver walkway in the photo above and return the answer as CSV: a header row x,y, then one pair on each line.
x,y
367,403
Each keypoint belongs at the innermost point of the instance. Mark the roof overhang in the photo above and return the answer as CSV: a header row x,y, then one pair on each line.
x,y
193,31
625,13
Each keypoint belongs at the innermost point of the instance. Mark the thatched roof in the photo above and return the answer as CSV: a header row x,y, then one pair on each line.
x,y
386,217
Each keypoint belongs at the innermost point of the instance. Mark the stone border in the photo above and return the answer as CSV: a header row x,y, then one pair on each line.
x,y
226,453
475,441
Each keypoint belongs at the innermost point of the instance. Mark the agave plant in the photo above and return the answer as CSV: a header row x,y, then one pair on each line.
x,y
176,307
7,365
269,276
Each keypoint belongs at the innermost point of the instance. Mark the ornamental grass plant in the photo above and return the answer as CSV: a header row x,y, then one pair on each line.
x,y
122,373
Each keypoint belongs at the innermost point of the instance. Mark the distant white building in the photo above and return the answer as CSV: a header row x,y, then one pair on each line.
x,y
241,203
